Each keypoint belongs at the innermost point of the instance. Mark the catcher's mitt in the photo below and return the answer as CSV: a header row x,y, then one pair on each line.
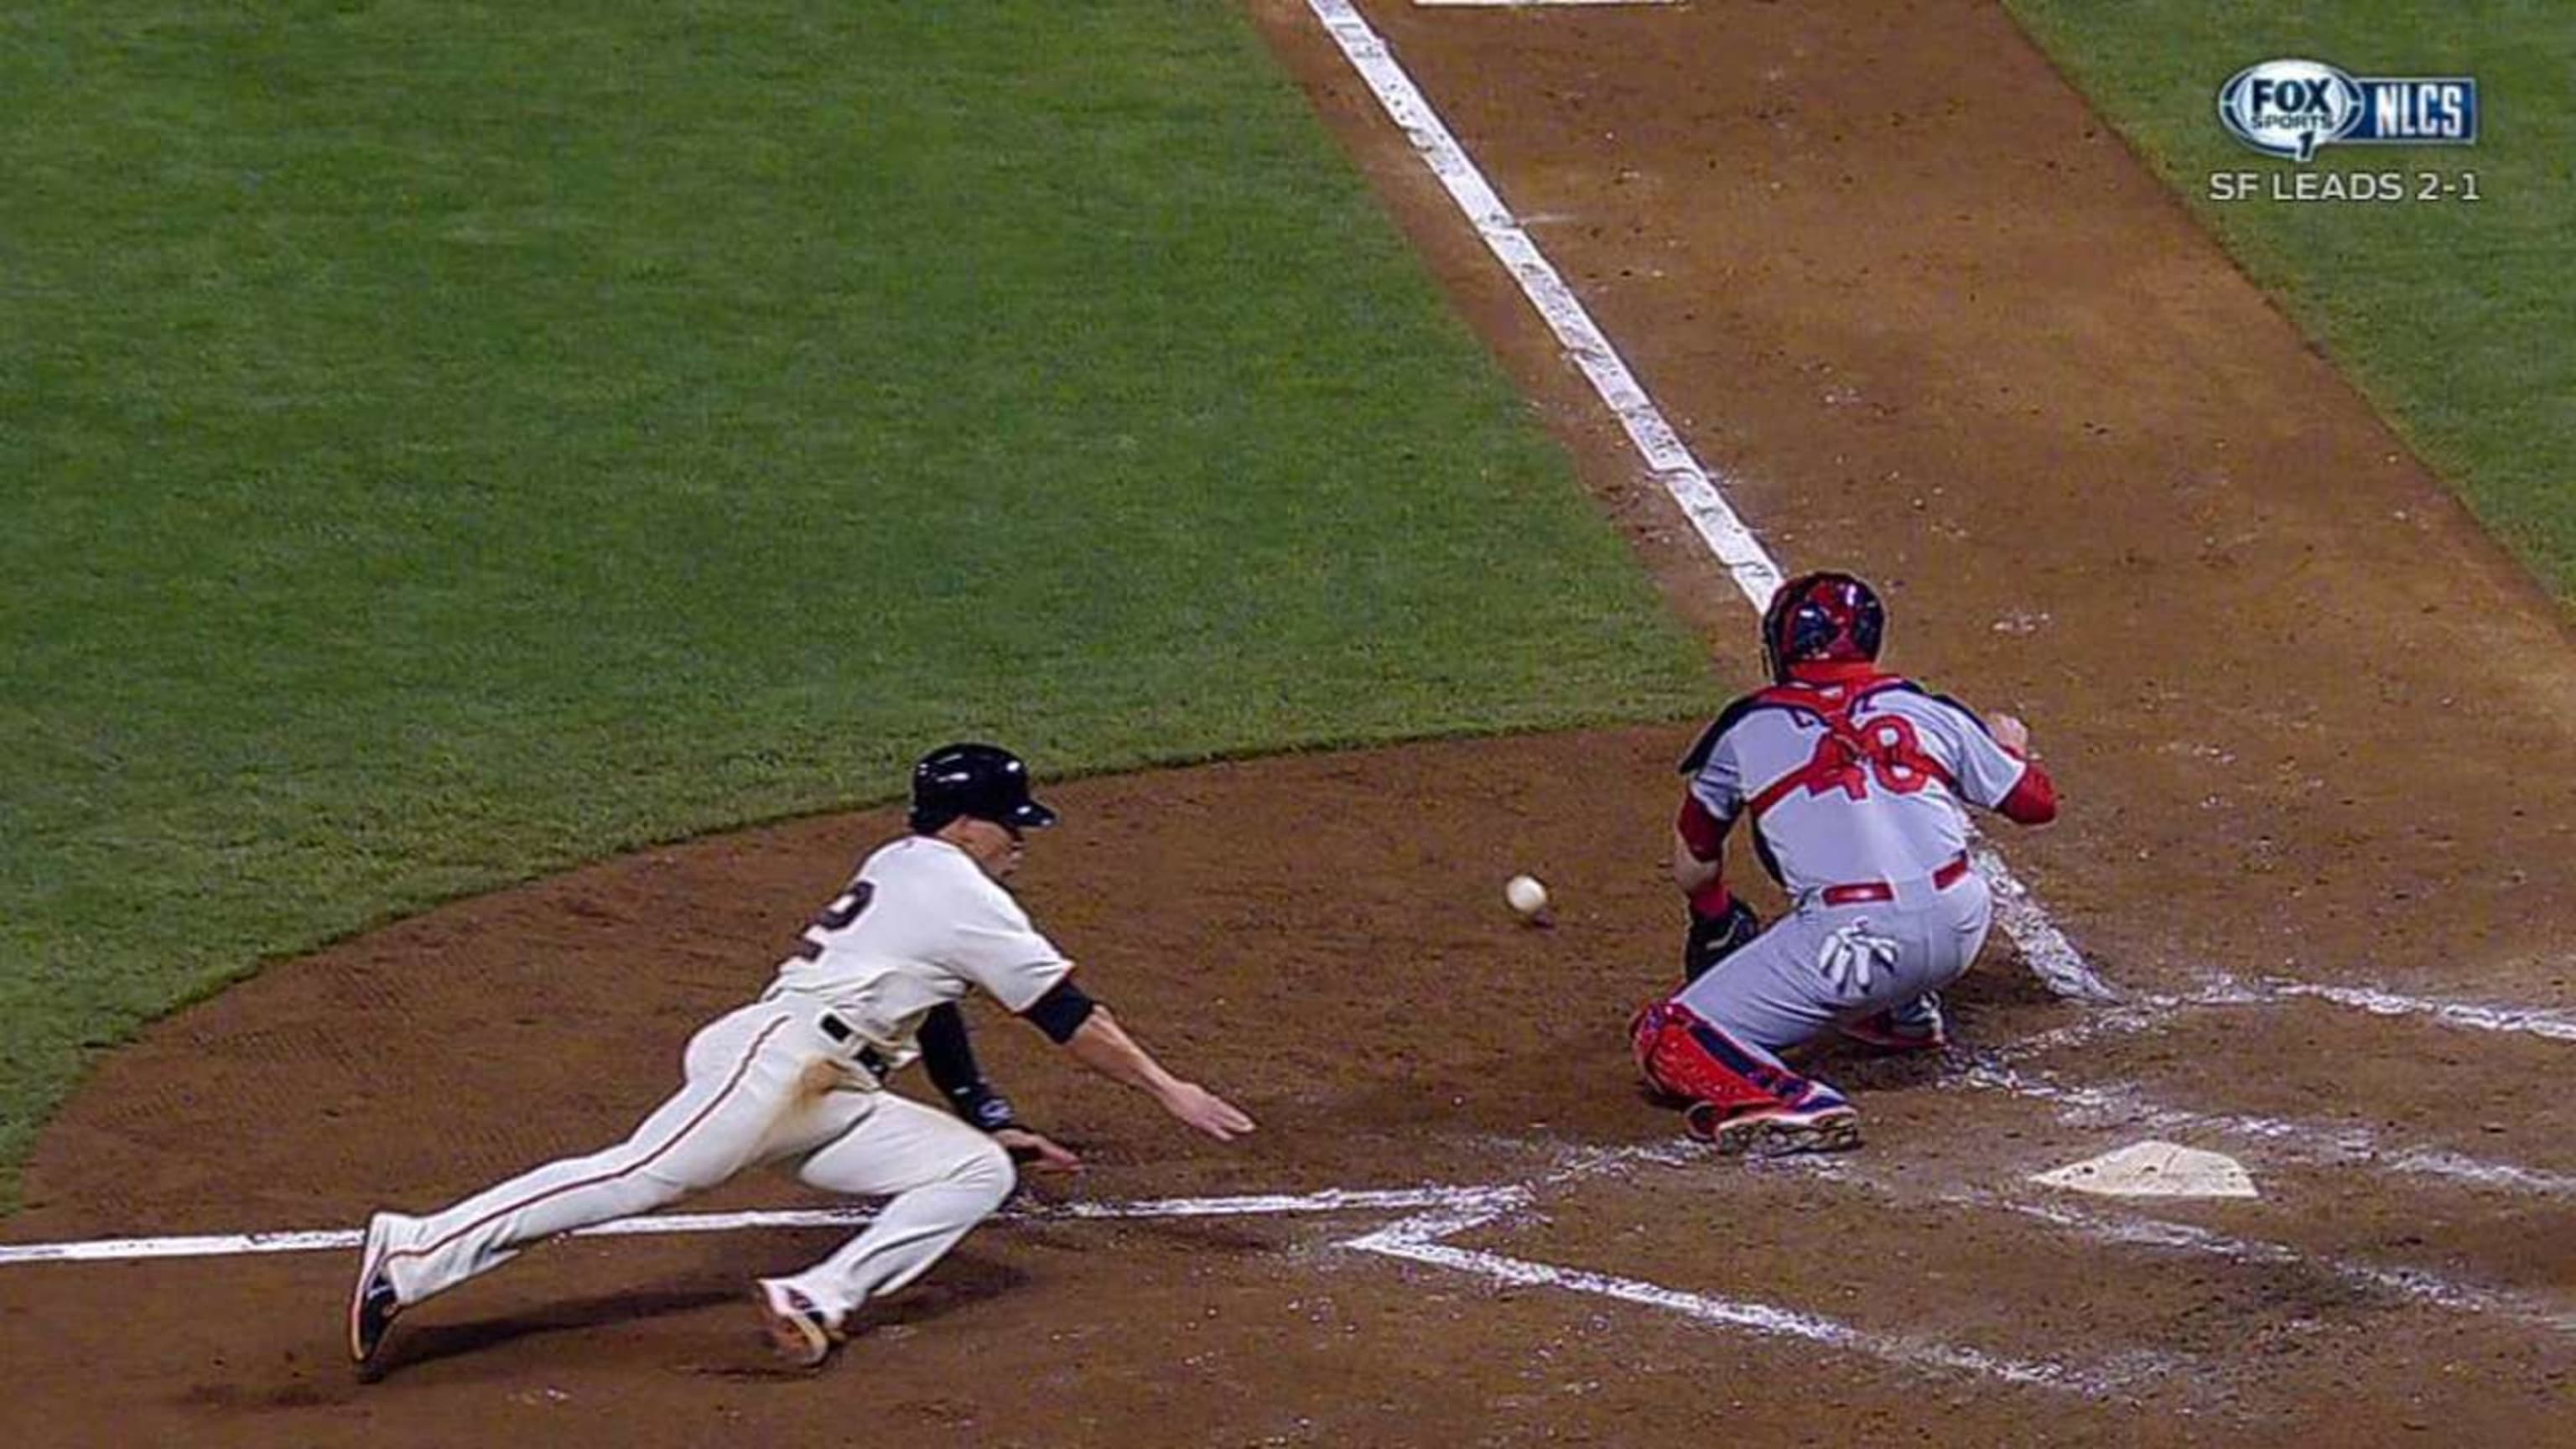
x,y
1714,938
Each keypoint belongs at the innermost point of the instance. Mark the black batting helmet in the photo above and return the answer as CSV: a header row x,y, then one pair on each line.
x,y
986,782
1821,616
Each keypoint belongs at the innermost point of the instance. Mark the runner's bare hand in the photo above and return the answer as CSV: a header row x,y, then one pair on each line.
x,y
1206,1111
1037,1150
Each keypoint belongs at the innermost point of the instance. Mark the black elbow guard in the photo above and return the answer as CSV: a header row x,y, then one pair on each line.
x,y
1061,1012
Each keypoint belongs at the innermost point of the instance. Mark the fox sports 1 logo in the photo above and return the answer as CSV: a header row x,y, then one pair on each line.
x,y
2290,107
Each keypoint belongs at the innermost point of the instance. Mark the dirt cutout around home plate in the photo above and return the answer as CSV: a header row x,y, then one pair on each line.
x,y
1889,274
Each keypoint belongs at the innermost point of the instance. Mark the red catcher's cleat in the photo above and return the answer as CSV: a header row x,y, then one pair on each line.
x,y
1880,1032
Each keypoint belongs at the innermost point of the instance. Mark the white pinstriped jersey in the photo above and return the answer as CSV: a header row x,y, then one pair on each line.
x,y
921,924
1851,782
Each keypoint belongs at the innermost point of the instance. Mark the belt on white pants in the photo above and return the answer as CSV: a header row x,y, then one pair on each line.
x,y
866,1056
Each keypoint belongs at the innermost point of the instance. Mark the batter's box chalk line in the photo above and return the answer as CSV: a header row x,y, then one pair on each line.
x,y
2337,1144
1423,1240
1432,1216
1328,1201
2136,1231
2400,1281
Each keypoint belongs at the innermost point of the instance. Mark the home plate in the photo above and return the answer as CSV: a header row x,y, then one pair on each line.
x,y
2155,1169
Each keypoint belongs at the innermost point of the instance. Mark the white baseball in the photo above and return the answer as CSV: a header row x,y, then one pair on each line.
x,y
1525,894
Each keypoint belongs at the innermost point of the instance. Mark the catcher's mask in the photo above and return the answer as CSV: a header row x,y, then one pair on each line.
x,y
986,782
1821,616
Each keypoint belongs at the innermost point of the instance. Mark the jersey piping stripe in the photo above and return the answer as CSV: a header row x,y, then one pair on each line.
x,y
741,1069
1834,713
1811,774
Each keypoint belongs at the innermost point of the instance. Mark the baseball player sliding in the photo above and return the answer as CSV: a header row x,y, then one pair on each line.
x,y
799,1075
1853,781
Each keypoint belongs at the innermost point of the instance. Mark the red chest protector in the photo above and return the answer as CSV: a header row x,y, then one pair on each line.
x,y
1885,752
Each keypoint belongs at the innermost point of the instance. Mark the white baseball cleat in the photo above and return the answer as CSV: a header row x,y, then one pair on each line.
x,y
797,1327
1774,1131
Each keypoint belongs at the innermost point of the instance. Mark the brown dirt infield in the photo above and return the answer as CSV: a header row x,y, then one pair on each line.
x,y
1884,267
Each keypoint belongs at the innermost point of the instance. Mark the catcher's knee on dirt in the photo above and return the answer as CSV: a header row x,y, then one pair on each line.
x,y
1682,1056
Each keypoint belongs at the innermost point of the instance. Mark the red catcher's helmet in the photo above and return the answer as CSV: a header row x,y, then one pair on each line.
x,y
1821,616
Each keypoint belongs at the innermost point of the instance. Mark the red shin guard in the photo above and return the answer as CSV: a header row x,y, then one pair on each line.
x,y
1683,1056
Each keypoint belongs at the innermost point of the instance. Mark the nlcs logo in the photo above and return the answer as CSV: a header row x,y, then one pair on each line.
x,y
2291,107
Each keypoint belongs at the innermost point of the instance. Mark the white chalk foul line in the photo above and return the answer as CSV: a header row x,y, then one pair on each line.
x,y
1746,561
2044,948
1438,1212
1336,1200
1691,485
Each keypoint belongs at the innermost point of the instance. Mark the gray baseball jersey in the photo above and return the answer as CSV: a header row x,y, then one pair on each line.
x,y
1857,781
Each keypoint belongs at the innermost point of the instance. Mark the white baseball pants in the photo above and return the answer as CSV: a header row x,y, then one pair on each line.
x,y
762,1084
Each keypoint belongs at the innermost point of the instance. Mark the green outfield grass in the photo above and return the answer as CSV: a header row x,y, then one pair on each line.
x,y
2453,317
443,444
